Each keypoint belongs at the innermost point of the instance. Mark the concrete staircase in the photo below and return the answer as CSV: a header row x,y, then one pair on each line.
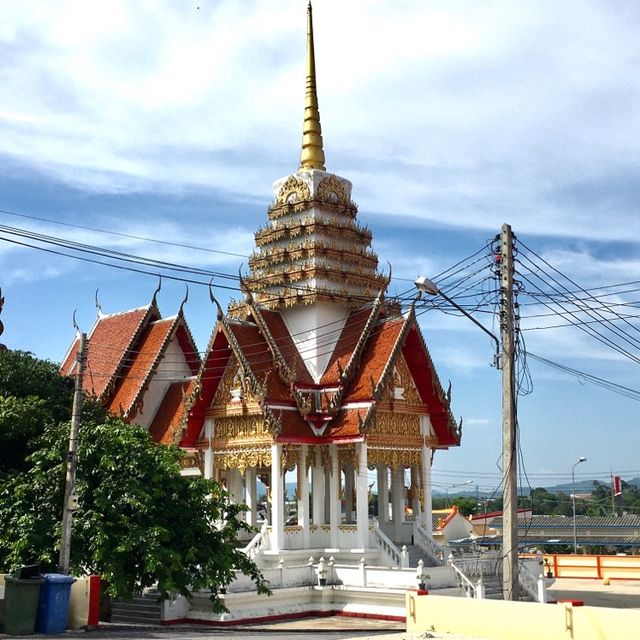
x,y
143,609
416,553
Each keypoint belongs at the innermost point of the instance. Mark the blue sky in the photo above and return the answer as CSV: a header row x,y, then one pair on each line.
x,y
171,120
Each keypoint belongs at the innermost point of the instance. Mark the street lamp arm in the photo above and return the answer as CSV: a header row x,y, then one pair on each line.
x,y
468,315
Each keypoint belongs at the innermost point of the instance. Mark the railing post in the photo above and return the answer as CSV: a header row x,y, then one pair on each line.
x,y
542,590
480,590
404,557
282,572
363,572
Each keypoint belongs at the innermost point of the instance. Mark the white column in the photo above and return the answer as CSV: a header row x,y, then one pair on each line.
x,y
348,493
427,511
334,496
251,495
327,493
303,496
209,432
277,499
235,488
317,481
362,498
415,486
397,502
383,494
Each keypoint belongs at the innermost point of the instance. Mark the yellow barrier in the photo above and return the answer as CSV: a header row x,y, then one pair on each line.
x,y
592,566
499,620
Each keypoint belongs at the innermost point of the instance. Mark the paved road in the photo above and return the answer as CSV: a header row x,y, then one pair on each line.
x,y
326,628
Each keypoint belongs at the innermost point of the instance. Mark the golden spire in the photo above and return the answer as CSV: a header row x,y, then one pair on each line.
x,y
312,156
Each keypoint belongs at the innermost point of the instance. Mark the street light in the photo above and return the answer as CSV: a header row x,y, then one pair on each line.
x,y
446,491
424,285
573,500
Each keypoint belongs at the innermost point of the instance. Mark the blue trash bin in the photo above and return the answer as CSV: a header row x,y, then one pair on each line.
x,y
53,605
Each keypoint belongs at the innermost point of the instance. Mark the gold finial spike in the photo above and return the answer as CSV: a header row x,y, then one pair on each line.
x,y
312,156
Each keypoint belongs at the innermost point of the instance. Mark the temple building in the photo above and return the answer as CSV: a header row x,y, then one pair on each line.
x,y
314,373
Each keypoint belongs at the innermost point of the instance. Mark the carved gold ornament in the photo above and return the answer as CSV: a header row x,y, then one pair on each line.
x,y
290,457
231,431
242,459
348,456
332,190
293,191
393,458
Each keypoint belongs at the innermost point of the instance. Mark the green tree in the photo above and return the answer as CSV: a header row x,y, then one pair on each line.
x,y
466,506
139,523
32,396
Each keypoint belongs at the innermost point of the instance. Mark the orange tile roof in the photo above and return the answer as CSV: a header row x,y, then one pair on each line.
x,y
286,345
345,426
149,349
375,357
346,344
107,347
170,413
255,349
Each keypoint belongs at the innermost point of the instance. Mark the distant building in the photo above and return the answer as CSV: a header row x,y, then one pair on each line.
x,y
616,533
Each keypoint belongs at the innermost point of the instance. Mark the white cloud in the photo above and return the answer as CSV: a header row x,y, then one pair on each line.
x,y
467,113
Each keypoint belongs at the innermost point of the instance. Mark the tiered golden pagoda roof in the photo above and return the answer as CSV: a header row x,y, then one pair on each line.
x,y
313,249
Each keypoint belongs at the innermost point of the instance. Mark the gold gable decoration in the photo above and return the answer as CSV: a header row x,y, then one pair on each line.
x,y
332,190
293,191
403,380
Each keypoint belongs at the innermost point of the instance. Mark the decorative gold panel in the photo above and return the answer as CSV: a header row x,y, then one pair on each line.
x,y
393,458
332,190
396,428
348,456
402,379
290,457
242,459
292,191
240,430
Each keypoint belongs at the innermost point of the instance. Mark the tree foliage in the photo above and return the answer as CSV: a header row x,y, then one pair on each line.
x,y
139,523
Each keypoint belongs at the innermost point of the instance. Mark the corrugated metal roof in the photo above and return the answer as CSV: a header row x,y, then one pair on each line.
x,y
584,522
530,540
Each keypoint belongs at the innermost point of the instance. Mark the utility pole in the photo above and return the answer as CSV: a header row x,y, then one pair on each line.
x,y
70,500
509,447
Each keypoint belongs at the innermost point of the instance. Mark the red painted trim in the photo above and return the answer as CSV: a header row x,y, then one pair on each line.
x,y
285,616
370,616
93,614
319,439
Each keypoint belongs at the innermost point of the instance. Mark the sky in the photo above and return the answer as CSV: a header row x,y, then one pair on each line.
x,y
169,121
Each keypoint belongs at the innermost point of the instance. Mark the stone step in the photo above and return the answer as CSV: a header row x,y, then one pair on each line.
x,y
140,610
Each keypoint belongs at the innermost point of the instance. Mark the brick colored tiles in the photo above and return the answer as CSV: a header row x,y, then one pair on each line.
x,y
142,360
170,413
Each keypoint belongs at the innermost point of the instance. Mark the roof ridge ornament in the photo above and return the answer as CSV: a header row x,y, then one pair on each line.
x,y
312,155
154,300
100,312
185,299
